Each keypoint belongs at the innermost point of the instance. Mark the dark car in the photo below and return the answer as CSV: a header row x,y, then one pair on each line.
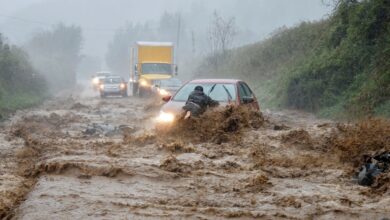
x,y
225,91
113,85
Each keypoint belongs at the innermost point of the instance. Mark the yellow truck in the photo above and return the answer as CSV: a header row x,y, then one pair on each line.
x,y
152,61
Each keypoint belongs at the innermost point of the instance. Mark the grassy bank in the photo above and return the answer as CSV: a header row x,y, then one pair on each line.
x,y
337,67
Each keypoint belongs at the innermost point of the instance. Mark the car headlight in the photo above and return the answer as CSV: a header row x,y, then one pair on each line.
x,y
166,117
163,92
144,83
95,80
101,86
122,86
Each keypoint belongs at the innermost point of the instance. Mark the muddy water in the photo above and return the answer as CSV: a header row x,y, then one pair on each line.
x,y
74,151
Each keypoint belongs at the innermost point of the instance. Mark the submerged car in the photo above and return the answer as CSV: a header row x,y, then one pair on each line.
x,y
166,87
113,85
225,91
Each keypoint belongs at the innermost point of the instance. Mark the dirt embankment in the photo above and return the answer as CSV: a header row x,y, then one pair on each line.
x,y
97,158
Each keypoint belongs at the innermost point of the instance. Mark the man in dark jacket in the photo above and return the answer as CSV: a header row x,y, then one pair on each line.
x,y
198,102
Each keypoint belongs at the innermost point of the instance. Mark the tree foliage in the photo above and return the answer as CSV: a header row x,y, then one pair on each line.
x,y
56,54
221,33
118,54
350,69
166,29
338,66
20,84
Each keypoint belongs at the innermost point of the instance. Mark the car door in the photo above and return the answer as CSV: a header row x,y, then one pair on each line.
x,y
246,95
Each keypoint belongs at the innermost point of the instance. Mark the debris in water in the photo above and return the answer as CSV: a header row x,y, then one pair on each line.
x,y
258,183
78,106
171,164
177,147
373,166
105,129
297,137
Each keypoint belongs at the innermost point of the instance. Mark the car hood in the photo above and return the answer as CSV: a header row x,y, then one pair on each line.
x,y
110,85
173,107
170,87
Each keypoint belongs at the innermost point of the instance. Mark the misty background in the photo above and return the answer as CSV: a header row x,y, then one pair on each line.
x,y
103,31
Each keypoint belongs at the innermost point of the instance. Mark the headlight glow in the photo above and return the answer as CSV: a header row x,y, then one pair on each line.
x,y
101,86
144,83
95,80
122,86
166,117
163,92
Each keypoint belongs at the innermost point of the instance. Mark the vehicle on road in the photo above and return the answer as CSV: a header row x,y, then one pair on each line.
x,y
98,78
113,85
165,87
225,91
152,61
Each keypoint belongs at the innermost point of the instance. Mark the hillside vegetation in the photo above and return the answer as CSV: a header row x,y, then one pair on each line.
x,y
20,85
335,67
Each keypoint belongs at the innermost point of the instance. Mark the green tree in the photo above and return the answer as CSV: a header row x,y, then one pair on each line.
x,y
20,84
56,54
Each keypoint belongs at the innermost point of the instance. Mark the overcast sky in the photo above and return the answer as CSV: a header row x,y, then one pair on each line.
x,y
100,18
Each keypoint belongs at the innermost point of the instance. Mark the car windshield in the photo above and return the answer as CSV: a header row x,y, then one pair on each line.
x,y
173,82
112,80
156,68
222,92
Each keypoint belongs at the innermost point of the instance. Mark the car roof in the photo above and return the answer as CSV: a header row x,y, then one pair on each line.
x,y
214,81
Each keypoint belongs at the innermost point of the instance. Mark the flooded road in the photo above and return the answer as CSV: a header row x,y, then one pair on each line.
x,y
83,157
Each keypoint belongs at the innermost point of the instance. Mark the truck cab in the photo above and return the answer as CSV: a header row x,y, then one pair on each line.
x,y
153,61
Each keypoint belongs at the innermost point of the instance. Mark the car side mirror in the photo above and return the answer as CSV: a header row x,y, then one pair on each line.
x,y
248,100
166,98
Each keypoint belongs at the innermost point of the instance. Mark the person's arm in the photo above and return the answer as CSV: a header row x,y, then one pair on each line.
x,y
190,97
212,102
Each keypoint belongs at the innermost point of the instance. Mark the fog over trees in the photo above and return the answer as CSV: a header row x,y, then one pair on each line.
x,y
109,28
56,54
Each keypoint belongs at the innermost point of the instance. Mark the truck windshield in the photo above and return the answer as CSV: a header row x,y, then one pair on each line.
x,y
156,68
